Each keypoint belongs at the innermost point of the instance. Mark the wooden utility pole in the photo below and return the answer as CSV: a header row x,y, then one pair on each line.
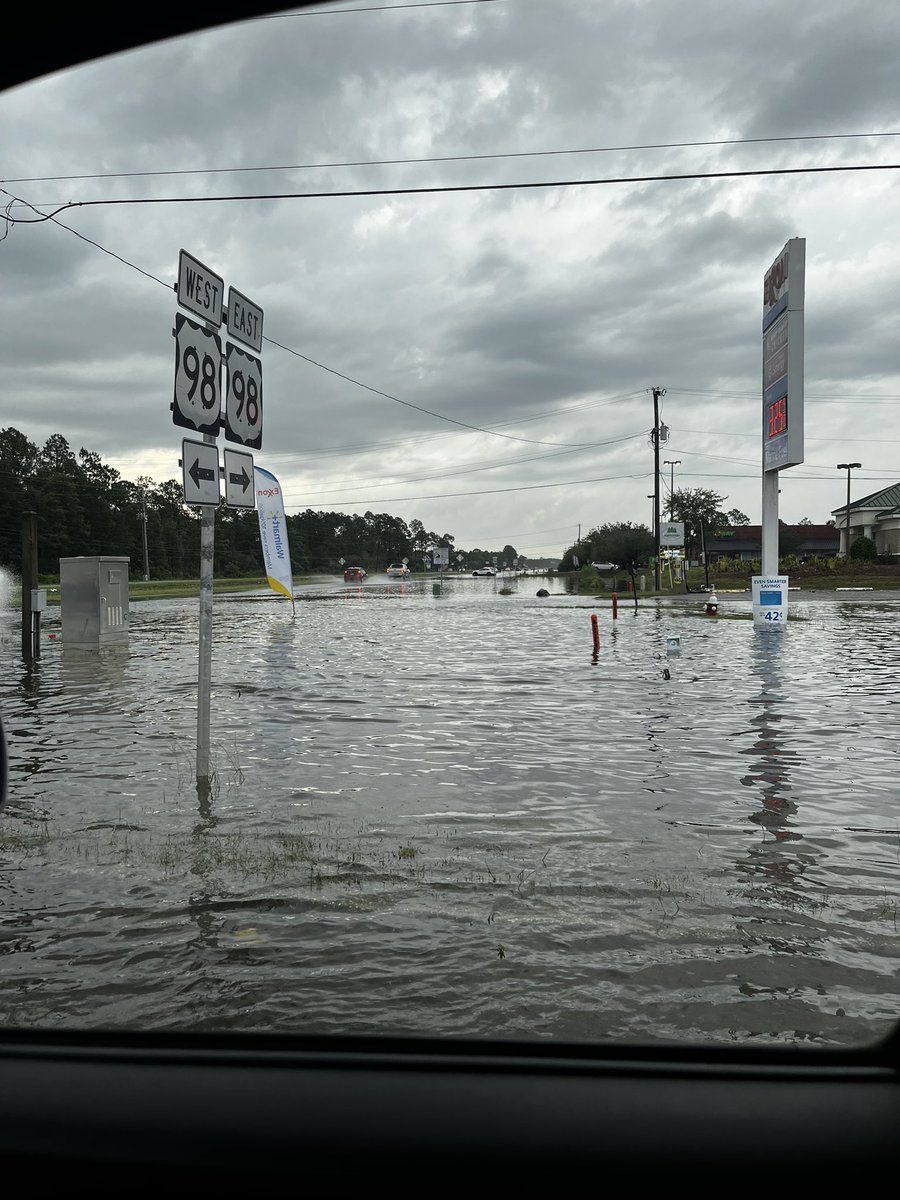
x,y
144,534
29,582
656,394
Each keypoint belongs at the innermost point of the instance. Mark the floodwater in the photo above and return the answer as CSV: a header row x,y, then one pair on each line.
x,y
442,815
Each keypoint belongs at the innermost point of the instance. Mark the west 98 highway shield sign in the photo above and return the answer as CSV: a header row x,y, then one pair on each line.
x,y
243,397
198,371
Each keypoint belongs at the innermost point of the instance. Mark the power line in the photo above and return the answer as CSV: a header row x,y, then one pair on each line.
x,y
306,358
730,433
339,12
417,407
447,189
748,462
444,158
560,410
810,397
533,487
491,466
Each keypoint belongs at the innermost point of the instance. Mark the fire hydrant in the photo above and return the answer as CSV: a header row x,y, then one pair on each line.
x,y
712,605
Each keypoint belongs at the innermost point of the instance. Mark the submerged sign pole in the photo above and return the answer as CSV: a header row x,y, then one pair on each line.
x,y
204,673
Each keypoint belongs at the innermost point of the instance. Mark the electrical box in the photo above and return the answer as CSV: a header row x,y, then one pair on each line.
x,y
38,599
93,600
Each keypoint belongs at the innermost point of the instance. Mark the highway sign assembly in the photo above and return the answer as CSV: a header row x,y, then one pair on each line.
x,y
197,405
239,489
200,470
243,397
198,393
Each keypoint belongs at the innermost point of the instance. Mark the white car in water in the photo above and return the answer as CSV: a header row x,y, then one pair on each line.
x,y
486,570
398,571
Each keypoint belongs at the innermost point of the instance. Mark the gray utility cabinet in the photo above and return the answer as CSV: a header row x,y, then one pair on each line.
x,y
93,600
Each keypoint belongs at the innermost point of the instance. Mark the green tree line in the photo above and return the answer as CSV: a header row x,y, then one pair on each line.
x,y
84,506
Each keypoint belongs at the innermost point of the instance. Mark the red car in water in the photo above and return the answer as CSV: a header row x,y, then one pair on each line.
x,y
355,574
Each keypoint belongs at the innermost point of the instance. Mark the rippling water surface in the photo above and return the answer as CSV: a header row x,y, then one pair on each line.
x,y
439,815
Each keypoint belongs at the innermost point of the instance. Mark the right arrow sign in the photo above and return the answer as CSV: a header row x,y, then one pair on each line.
x,y
239,489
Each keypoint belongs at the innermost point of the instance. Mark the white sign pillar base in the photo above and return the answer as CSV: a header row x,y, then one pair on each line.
x,y
770,600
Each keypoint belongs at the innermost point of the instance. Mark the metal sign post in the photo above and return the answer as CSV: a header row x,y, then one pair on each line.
x,y
204,673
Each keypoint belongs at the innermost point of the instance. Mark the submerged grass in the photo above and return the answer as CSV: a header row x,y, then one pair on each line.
x,y
225,859
172,589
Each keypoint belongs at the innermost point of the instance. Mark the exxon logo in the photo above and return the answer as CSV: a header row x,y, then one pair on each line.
x,y
775,281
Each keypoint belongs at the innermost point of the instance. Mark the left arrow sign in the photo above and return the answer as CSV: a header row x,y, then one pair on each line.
x,y
197,473
200,464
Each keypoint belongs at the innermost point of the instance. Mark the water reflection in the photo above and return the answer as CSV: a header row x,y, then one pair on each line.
x,y
771,772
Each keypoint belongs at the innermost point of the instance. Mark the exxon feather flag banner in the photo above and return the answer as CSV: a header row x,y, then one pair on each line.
x,y
273,532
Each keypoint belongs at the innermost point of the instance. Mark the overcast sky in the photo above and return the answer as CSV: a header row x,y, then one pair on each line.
x,y
544,314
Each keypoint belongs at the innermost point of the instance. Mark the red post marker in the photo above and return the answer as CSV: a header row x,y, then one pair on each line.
x,y
595,631
615,605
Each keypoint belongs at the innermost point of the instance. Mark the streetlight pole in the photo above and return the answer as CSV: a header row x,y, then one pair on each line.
x,y
657,392
848,467
672,463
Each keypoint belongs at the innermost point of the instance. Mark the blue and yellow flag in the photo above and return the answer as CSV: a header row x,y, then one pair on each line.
x,y
273,532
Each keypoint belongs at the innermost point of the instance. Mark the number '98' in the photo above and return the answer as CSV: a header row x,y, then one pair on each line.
x,y
245,390
202,374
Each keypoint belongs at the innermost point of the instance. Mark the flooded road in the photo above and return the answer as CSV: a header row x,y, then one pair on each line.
x,y
440,815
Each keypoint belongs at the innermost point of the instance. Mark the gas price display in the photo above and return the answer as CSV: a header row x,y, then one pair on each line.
x,y
776,417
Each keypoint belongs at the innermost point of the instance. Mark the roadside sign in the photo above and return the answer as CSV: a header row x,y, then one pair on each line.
x,y
244,319
199,289
671,533
342,561
198,360
459,558
243,397
200,469
770,599
406,562
440,556
239,489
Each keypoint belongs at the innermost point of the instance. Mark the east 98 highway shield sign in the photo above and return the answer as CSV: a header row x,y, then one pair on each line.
x,y
198,361
243,397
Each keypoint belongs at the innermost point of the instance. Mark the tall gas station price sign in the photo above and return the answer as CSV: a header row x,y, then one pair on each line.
x,y
784,286
782,327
